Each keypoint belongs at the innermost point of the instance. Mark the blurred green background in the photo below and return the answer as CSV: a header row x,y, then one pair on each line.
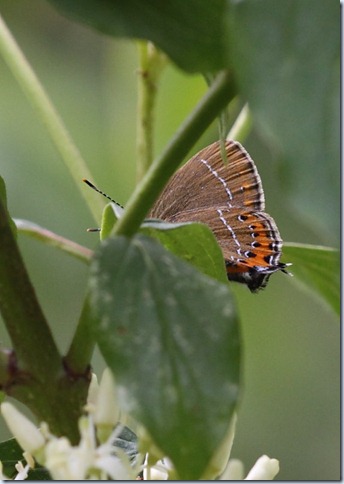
x,y
290,407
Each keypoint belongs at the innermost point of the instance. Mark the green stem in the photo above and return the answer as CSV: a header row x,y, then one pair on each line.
x,y
242,125
36,94
50,238
21,311
219,94
81,349
37,376
7,358
152,62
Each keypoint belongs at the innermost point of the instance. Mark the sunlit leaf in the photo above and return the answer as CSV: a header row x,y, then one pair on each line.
x,y
193,242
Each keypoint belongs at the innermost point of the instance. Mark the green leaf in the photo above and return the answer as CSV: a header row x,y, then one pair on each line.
x,y
318,268
193,242
289,74
39,474
111,213
170,336
194,34
10,454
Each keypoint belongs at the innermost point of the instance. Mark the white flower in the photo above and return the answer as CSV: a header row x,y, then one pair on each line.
x,y
92,392
64,462
26,433
234,471
159,471
265,469
22,471
96,457
106,411
86,460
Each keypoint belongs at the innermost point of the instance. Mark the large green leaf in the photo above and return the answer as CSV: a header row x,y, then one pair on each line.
x,y
286,56
170,335
318,268
192,33
193,242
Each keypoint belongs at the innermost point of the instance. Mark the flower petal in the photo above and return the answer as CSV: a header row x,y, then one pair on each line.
x,y
25,432
265,469
234,471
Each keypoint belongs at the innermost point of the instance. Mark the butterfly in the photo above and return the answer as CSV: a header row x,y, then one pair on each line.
x,y
229,198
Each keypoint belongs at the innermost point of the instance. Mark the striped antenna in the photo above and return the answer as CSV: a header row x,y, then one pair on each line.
x,y
99,191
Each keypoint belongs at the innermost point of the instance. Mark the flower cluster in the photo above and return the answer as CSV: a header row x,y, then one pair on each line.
x,y
96,457
265,469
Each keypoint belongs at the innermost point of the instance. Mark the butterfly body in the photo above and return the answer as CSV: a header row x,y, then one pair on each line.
x,y
229,198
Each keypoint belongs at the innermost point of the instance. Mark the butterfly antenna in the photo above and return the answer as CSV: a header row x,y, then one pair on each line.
x,y
285,270
99,191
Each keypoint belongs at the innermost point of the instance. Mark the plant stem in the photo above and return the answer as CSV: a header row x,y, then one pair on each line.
x,y
36,94
81,349
22,313
50,238
242,125
152,62
40,380
219,94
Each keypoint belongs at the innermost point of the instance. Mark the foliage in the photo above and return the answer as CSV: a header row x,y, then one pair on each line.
x,y
162,313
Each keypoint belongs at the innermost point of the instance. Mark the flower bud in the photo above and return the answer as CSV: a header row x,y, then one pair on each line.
x,y
265,469
25,432
92,391
106,412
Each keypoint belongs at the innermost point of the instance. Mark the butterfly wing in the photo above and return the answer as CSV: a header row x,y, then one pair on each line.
x,y
250,242
229,198
207,179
